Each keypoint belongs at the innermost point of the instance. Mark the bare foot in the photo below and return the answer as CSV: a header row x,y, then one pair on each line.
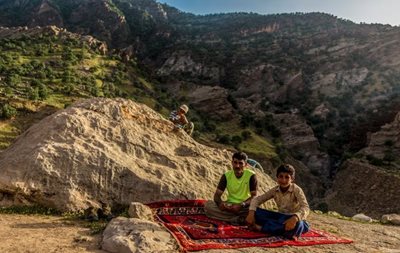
x,y
255,227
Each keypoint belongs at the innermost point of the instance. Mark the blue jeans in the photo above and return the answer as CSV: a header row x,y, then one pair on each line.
x,y
273,223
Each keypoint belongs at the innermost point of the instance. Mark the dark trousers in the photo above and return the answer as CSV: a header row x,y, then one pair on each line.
x,y
273,223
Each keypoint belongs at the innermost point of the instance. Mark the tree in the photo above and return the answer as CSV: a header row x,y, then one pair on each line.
x,y
246,134
33,93
389,157
224,139
7,111
43,92
236,140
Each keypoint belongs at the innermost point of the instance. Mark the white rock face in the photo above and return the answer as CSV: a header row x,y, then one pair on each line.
x,y
115,151
123,235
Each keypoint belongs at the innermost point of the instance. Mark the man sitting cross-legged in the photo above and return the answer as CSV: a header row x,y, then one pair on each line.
x,y
241,186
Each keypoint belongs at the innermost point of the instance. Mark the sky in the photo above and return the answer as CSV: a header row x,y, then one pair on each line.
x,y
367,11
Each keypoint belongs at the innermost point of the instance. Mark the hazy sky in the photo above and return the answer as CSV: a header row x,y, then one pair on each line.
x,y
368,11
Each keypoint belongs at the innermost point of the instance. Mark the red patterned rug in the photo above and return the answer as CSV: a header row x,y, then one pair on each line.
x,y
185,219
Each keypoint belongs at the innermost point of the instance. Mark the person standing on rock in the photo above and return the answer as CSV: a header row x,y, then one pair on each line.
x,y
178,117
292,206
241,186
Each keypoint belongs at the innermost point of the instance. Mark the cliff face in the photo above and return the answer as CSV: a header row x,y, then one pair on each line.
x,y
299,139
207,98
99,18
45,14
385,144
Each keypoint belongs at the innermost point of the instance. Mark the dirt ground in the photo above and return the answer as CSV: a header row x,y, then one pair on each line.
x,y
368,238
36,233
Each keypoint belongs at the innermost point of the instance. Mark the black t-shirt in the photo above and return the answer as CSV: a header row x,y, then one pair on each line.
x,y
253,183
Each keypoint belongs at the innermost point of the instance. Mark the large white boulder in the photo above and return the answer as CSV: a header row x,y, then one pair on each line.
x,y
111,150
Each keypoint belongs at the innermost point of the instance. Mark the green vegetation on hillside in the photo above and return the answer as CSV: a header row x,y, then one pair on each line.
x,y
42,72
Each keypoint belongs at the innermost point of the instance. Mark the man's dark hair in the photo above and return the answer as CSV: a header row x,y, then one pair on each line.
x,y
239,156
286,168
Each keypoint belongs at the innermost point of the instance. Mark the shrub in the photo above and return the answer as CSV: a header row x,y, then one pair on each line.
x,y
323,207
236,140
33,93
209,126
389,157
246,120
224,139
389,143
246,134
374,160
43,92
7,111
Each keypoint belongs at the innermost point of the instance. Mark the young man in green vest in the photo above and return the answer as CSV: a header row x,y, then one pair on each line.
x,y
241,186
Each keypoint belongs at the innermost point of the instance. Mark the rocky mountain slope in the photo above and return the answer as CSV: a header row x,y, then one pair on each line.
x,y
114,151
262,64
369,182
354,192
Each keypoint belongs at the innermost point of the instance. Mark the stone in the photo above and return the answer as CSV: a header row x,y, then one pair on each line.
x,y
391,219
361,217
140,211
124,235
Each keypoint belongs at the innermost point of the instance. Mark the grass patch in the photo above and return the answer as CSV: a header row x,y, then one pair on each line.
x,y
59,100
8,133
255,144
146,83
259,146
150,102
29,210
96,227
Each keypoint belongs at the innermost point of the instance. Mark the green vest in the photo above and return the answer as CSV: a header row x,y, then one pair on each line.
x,y
238,188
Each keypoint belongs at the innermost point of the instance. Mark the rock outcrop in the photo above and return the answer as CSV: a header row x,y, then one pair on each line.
x,y
182,63
116,151
354,192
386,142
299,139
46,15
212,98
101,19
